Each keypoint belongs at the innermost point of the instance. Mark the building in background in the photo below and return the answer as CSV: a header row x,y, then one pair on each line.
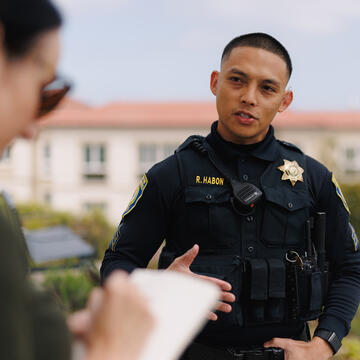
x,y
85,158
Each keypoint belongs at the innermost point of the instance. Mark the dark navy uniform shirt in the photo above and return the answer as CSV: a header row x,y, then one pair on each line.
x,y
150,215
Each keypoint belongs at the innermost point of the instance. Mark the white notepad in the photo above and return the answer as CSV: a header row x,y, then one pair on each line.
x,y
180,305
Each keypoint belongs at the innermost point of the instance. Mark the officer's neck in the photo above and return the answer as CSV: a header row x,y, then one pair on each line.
x,y
241,147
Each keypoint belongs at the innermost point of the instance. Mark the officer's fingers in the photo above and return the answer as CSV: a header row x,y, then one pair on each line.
x,y
227,296
279,343
223,285
226,308
187,258
212,316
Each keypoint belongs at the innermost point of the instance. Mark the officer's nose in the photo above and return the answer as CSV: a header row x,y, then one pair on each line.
x,y
248,97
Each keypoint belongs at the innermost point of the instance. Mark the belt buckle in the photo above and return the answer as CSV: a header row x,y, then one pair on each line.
x,y
237,355
256,354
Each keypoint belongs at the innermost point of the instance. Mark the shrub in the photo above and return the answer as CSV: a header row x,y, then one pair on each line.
x,y
352,196
71,287
350,349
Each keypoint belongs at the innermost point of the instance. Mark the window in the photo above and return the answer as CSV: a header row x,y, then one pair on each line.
x,y
151,153
47,199
5,155
94,206
47,158
350,154
94,161
351,160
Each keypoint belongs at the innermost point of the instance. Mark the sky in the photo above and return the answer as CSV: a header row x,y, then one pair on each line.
x,y
165,50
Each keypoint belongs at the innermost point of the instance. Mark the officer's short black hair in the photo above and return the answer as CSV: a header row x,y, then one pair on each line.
x,y
260,41
23,20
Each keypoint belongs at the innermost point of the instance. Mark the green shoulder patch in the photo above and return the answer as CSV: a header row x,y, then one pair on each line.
x,y
137,195
340,194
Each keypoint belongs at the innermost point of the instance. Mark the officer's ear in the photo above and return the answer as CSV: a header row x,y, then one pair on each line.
x,y
214,81
286,100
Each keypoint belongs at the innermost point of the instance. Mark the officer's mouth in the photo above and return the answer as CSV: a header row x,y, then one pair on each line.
x,y
244,117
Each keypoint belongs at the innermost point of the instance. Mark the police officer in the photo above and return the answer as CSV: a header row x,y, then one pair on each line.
x,y
241,209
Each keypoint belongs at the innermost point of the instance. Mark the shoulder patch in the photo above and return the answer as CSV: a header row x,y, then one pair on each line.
x,y
136,196
339,193
354,238
290,145
115,238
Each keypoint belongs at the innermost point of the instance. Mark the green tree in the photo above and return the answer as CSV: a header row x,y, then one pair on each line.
x,y
352,196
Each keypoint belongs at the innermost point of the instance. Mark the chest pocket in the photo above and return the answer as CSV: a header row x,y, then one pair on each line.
x,y
210,219
285,213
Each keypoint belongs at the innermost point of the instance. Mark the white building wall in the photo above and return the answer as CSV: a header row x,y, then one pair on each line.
x,y
16,175
60,181
66,185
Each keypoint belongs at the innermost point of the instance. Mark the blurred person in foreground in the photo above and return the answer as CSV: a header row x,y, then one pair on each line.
x,y
242,206
31,326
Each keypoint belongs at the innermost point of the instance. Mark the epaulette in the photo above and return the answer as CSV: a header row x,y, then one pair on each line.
x,y
194,141
289,145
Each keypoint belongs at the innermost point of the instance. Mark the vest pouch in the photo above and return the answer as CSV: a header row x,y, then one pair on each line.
x,y
258,291
275,309
265,291
285,213
305,293
227,268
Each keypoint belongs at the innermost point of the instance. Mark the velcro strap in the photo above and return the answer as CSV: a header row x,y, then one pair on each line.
x,y
259,279
277,279
316,292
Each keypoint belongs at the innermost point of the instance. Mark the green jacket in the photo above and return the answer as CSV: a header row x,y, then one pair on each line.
x,y
32,326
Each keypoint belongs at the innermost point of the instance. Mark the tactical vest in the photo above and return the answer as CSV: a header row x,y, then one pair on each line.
x,y
248,249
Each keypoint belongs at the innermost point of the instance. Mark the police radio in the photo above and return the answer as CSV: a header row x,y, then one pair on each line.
x,y
246,195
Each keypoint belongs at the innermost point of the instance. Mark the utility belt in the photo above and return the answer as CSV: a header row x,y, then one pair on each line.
x,y
200,351
203,352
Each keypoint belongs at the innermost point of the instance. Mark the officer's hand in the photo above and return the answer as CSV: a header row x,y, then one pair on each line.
x,y
182,264
316,349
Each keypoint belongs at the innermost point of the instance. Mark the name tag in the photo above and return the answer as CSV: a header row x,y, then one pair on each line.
x,y
209,180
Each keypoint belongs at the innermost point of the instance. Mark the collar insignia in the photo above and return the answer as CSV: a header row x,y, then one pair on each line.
x,y
291,171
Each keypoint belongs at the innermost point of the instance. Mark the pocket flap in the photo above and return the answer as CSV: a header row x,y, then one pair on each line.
x,y
215,266
207,195
287,198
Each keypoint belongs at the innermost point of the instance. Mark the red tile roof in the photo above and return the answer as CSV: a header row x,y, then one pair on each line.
x,y
181,115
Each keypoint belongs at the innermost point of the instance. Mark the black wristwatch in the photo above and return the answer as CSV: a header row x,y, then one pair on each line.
x,y
330,337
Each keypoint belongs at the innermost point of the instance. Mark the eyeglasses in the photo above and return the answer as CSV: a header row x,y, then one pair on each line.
x,y
52,94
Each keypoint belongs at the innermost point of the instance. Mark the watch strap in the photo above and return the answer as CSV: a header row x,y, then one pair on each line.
x,y
330,337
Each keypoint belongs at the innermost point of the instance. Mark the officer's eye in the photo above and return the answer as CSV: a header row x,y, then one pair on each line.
x,y
268,88
236,79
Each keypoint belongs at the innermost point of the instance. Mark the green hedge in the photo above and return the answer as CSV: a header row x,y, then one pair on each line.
x,y
71,287
352,196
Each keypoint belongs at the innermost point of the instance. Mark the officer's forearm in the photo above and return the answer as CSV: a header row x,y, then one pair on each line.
x,y
111,264
343,298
